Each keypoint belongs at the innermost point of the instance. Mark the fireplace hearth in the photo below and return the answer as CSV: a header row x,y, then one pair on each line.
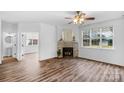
x,y
68,52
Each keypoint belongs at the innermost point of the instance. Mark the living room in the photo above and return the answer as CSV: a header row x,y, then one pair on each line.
x,y
78,51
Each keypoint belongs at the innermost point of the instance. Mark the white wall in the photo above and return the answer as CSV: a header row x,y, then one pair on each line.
x,y
73,28
31,49
47,38
0,44
27,27
114,56
48,43
7,28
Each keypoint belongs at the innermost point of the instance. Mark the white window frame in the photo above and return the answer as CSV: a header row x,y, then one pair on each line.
x,y
100,45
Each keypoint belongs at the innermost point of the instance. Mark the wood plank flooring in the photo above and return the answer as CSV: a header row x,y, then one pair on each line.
x,y
8,60
60,70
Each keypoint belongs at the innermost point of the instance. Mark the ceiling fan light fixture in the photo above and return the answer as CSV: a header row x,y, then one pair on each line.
x,y
82,19
75,20
79,18
80,22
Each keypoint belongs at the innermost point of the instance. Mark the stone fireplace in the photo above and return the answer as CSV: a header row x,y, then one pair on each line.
x,y
68,48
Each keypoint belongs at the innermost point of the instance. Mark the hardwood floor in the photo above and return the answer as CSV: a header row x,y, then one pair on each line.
x,y
60,70
8,60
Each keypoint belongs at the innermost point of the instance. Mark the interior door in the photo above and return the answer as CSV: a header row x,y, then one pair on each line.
x,y
14,46
23,38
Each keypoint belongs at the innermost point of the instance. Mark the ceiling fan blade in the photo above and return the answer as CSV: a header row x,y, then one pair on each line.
x,y
68,18
70,22
90,18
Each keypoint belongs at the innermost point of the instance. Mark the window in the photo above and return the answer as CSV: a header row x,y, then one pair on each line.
x,y
29,42
35,41
107,37
86,38
98,37
95,37
32,42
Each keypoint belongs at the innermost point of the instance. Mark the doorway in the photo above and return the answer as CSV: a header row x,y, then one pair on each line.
x,y
9,47
30,44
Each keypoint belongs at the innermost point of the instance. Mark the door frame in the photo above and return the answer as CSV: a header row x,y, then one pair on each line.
x,y
19,44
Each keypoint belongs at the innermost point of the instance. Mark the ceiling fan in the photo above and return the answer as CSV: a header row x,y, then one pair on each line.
x,y
79,18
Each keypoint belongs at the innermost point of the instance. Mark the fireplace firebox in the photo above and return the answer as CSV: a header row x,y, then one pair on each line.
x,y
68,52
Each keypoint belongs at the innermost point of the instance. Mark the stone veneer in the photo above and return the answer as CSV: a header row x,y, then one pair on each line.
x,y
73,44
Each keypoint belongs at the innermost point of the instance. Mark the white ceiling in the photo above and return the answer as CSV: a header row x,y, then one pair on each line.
x,y
55,17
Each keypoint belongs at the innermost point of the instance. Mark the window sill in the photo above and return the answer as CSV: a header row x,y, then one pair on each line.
x,y
98,48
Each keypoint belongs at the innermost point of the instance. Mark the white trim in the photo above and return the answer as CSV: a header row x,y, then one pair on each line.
x,y
90,37
100,37
98,48
39,45
0,43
